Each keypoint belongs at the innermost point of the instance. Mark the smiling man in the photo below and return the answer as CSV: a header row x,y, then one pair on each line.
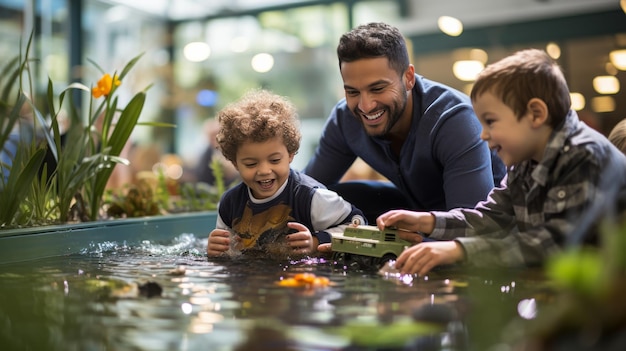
x,y
421,135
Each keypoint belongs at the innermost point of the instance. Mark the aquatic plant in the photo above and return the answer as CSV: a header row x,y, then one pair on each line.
x,y
138,201
588,311
54,177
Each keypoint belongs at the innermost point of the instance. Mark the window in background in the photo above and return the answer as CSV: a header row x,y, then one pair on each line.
x,y
289,52
112,36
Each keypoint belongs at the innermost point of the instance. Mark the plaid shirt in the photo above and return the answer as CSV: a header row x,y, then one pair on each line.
x,y
530,216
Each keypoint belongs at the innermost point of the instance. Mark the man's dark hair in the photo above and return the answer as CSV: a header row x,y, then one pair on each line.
x,y
374,40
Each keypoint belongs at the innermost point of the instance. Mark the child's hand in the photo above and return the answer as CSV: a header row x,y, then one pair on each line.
x,y
421,258
327,247
422,222
219,241
301,242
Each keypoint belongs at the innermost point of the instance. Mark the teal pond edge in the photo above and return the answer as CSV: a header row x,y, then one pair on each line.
x,y
26,244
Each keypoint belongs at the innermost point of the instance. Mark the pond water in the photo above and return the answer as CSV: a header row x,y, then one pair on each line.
x,y
169,296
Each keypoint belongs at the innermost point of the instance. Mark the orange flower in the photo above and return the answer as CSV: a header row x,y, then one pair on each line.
x,y
306,280
105,85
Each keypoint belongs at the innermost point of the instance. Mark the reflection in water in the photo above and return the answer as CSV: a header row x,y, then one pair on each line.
x,y
97,300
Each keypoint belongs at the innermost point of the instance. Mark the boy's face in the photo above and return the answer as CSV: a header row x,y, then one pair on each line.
x,y
264,166
375,93
515,140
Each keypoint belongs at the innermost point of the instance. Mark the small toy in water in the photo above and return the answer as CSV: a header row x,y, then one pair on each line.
x,y
306,280
368,246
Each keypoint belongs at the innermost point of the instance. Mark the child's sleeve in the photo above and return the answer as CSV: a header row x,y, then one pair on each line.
x,y
330,213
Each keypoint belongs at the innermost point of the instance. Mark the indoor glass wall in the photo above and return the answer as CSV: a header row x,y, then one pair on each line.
x,y
199,59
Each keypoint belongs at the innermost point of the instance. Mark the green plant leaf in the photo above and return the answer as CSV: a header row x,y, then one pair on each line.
x,y
45,131
96,65
13,117
130,65
120,135
156,124
19,183
11,72
126,123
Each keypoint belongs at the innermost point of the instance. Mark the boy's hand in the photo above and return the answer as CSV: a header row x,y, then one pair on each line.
x,y
421,258
302,241
219,242
327,247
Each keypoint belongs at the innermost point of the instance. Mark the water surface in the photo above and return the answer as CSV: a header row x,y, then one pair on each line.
x,y
169,296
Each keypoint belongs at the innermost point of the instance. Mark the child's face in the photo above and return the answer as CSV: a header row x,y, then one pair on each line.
x,y
515,140
264,167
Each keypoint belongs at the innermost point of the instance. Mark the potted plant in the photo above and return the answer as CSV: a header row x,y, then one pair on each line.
x,y
55,182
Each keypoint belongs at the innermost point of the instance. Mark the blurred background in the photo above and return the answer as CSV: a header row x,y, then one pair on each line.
x,y
202,54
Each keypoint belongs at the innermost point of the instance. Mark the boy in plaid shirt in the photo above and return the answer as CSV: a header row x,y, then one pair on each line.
x,y
557,167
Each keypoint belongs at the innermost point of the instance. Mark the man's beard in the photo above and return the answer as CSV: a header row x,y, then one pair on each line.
x,y
393,115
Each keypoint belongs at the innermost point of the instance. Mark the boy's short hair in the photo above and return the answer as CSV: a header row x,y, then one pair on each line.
x,y
374,40
257,117
617,136
525,75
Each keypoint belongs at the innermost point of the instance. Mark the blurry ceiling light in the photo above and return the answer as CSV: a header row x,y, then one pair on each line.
x,y
578,101
610,69
467,70
623,5
470,54
197,51
450,26
603,104
239,44
618,59
479,55
262,62
606,84
554,50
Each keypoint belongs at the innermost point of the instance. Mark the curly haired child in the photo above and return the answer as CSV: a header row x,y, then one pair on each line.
x,y
274,209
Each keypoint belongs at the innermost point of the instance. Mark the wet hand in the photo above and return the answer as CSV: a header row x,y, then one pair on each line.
x,y
421,258
302,241
327,247
219,241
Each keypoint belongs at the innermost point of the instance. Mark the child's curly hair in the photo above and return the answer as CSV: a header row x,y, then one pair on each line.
x,y
258,116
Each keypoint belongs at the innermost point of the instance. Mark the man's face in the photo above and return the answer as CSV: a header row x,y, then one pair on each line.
x,y
375,93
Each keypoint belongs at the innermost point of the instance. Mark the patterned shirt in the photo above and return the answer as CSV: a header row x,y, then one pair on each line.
x,y
538,205
301,199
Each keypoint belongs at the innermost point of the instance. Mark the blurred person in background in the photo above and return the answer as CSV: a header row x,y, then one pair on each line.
x,y
203,171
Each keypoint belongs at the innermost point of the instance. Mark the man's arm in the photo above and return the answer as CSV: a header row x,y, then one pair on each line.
x,y
465,158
